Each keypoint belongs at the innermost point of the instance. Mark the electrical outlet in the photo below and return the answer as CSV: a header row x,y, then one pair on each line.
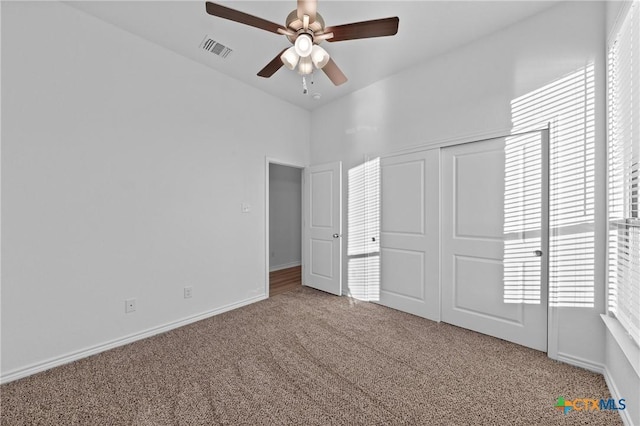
x,y
129,306
188,292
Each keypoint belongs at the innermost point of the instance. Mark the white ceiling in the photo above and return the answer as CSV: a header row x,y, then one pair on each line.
x,y
427,29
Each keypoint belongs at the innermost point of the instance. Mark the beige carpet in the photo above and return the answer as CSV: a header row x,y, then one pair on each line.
x,y
308,358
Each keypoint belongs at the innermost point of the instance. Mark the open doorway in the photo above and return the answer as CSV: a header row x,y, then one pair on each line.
x,y
284,228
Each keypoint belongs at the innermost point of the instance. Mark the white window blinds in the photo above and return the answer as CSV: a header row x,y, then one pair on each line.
x,y
568,103
624,171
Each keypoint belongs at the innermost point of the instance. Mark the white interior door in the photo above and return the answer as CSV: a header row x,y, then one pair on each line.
x,y
322,244
409,233
493,238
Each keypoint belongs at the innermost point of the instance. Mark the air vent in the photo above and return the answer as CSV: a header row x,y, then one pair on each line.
x,y
210,45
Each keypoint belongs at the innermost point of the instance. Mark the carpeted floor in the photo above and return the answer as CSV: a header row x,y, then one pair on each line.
x,y
308,358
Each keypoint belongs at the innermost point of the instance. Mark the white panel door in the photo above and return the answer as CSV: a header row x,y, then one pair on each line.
x,y
493,234
409,232
323,227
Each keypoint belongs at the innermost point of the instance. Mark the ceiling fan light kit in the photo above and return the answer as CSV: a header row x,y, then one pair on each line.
x,y
319,56
290,58
303,44
305,66
305,29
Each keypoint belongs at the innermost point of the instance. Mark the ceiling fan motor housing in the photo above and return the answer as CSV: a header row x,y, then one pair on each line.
x,y
295,24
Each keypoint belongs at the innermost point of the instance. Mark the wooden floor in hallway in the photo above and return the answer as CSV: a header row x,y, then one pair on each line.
x,y
285,280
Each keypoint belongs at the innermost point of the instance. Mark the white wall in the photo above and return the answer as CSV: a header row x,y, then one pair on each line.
x,y
285,216
124,167
468,92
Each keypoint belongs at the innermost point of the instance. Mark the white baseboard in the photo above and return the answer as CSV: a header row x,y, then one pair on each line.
x,y
600,369
615,394
624,342
83,353
285,266
581,362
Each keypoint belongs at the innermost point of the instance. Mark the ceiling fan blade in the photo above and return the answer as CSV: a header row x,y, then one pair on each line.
x,y
273,66
307,7
366,29
241,17
334,73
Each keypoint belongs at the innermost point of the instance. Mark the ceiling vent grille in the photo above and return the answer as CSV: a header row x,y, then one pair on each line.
x,y
210,45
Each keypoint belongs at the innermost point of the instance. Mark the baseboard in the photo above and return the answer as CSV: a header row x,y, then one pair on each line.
x,y
285,266
624,342
74,356
615,394
581,362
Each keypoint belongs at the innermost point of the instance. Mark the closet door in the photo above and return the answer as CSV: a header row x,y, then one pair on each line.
x,y
409,230
493,239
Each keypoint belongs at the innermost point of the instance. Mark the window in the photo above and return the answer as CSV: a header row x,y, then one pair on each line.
x,y
568,104
624,173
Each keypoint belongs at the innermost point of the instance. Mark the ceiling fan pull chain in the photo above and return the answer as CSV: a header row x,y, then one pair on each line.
x,y
305,90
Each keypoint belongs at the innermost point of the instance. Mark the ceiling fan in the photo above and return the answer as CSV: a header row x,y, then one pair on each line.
x,y
306,29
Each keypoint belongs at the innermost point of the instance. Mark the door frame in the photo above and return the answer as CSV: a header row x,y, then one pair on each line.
x,y
269,161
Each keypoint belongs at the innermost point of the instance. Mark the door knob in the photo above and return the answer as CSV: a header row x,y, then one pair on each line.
x,y
336,235
538,253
